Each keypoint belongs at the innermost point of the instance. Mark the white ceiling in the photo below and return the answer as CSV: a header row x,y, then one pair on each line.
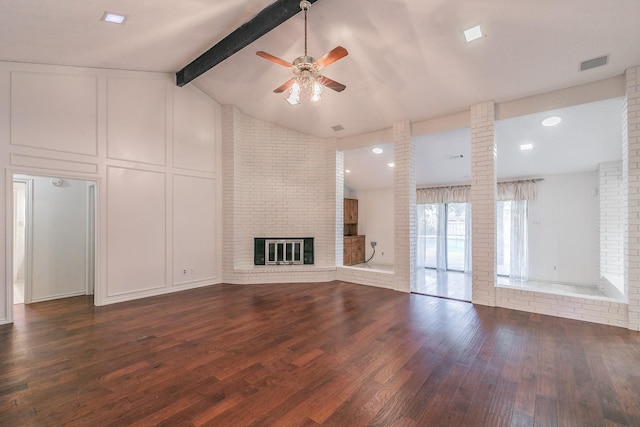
x,y
406,58
588,135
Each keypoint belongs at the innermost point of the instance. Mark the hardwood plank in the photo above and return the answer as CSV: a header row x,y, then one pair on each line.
x,y
308,355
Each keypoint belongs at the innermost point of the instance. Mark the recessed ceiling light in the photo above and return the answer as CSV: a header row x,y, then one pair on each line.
x,y
391,164
113,18
473,33
377,150
551,121
337,128
347,171
525,147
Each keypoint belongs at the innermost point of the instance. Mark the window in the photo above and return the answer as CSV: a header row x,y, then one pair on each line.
x,y
443,237
512,239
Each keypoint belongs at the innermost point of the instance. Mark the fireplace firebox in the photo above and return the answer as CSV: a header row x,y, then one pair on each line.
x,y
282,250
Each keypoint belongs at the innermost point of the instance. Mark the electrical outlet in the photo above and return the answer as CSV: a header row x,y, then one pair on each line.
x,y
184,272
373,244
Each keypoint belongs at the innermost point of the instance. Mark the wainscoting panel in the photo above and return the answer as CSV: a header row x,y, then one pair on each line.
x,y
54,111
136,230
136,119
194,229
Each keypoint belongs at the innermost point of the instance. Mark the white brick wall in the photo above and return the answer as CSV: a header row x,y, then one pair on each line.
x,y
340,207
277,183
580,308
612,217
380,279
483,201
260,159
632,170
404,200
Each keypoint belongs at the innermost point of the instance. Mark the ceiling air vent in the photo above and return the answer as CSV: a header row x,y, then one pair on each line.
x,y
593,63
337,128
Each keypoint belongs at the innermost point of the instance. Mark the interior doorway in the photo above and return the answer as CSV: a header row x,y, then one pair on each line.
x,y
21,193
54,238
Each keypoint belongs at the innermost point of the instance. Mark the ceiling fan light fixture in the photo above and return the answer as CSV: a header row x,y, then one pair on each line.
x,y
317,91
294,94
307,84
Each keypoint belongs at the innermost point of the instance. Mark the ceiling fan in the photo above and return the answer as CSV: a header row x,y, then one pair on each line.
x,y
306,69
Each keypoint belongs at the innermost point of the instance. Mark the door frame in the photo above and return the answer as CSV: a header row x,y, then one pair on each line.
x,y
28,237
93,181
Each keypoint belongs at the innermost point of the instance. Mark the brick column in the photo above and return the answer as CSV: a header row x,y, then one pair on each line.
x,y
404,199
229,130
483,203
339,207
631,174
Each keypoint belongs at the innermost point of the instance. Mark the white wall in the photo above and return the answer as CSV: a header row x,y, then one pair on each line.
x,y
375,221
563,230
152,148
59,239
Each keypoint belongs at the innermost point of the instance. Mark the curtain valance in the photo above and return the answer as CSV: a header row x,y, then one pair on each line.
x,y
514,190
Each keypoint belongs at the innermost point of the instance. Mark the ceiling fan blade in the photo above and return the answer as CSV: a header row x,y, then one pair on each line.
x,y
331,84
284,86
332,56
272,58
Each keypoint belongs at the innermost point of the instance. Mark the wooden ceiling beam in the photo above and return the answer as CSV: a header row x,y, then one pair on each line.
x,y
266,20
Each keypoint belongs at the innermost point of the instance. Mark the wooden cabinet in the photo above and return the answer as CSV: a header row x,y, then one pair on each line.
x,y
353,250
350,211
350,217
346,251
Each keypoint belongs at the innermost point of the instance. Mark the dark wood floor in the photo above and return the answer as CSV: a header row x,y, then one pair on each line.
x,y
311,354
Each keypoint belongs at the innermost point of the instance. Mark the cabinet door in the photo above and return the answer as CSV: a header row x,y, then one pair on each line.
x,y
357,251
350,211
346,252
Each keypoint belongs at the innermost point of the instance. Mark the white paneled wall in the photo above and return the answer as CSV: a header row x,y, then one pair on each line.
x,y
137,119
153,150
192,223
136,231
54,111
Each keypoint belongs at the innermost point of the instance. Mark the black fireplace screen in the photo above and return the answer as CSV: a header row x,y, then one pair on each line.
x,y
282,250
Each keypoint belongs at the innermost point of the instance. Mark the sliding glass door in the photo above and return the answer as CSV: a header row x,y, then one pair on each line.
x,y
443,236
456,244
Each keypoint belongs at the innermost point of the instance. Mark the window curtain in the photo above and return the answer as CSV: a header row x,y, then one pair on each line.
x,y
421,246
519,264
430,196
517,190
468,262
421,249
441,238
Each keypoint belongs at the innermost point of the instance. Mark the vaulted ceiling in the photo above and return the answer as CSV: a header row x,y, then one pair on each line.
x,y
407,59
